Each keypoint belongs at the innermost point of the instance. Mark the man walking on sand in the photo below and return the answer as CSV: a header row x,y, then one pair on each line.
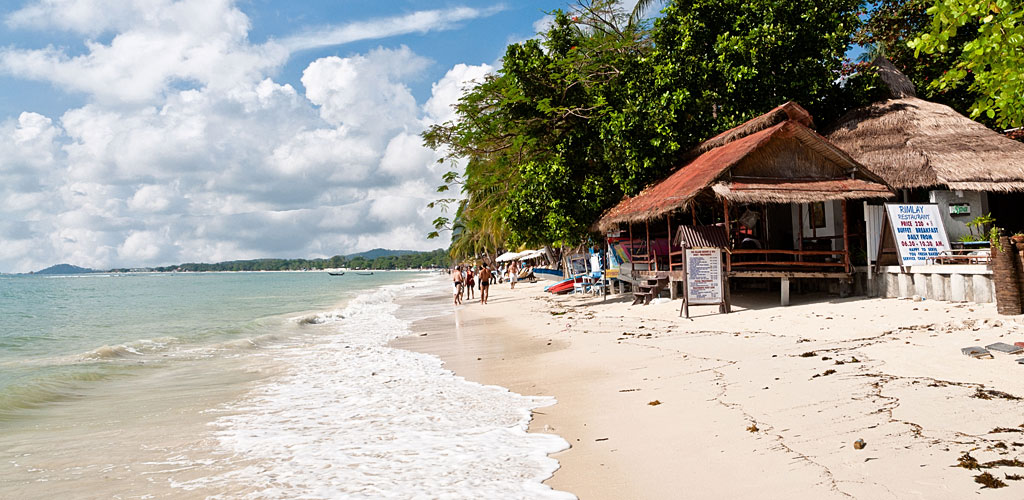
x,y
457,283
513,273
485,283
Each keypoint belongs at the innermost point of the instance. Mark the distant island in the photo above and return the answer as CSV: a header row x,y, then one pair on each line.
x,y
66,269
378,258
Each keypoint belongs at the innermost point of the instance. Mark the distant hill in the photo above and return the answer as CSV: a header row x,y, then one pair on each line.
x,y
380,252
66,269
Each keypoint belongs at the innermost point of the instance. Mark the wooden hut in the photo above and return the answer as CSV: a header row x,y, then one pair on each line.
x,y
934,154
774,190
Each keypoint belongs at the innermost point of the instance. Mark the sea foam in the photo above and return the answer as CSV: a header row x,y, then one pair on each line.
x,y
353,418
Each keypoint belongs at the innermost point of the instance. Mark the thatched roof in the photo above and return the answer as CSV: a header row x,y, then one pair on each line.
x,y
898,84
774,158
784,191
913,143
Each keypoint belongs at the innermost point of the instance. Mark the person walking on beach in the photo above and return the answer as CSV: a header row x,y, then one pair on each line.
x,y
470,282
485,283
513,273
457,282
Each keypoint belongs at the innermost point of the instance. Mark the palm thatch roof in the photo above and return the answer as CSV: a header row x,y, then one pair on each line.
x,y
774,158
913,143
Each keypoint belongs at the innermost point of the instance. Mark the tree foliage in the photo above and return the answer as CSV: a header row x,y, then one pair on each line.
x,y
892,24
991,60
601,105
414,260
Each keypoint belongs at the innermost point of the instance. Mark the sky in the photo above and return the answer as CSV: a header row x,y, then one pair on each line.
x,y
139,133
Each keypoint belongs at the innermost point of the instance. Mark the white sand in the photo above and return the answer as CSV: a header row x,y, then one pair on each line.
x,y
909,396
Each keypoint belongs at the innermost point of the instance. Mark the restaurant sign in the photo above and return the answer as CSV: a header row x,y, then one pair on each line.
x,y
919,232
704,276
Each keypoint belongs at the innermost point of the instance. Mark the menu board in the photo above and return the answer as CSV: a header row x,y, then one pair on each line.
x,y
918,231
704,276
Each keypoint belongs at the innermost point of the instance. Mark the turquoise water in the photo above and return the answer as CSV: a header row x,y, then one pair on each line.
x,y
248,385
60,335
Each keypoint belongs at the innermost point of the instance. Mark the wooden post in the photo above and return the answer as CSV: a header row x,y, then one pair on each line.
x,y
800,225
728,230
785,291
728,236
668,219
685,308
846,240
1005,278
647,228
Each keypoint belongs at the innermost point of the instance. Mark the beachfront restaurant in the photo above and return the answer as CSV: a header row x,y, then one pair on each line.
x,y
933,155
771,194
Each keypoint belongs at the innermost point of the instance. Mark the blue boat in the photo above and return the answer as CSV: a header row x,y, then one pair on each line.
x,y
548,274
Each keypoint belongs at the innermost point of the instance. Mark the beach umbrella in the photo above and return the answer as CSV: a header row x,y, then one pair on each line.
x,y
507,256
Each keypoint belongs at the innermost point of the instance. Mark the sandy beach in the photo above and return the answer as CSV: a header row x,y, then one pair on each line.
x,y
766,402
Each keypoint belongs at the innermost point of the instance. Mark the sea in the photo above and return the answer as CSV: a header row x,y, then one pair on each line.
x,y
249,385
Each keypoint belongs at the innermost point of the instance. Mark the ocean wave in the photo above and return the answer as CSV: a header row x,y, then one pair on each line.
x,y
353,418
63,383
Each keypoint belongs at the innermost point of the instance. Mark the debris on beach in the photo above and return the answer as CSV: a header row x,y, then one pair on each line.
x,y
999,430
654,403
989,394
967,461
752,427
809,354
824,374
989,481
859,444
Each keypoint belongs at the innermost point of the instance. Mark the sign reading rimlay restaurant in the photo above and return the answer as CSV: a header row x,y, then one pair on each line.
x,y
918,231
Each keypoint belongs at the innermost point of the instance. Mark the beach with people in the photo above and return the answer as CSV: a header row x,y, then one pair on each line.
x,y
827,398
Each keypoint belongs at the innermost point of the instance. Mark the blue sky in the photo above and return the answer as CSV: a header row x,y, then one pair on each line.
x,y
151,132
479,40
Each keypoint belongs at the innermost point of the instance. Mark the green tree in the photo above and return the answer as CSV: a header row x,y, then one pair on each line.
x,y
601,105
990,62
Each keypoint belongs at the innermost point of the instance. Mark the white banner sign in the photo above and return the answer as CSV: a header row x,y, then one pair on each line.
x,y
704,276
919,232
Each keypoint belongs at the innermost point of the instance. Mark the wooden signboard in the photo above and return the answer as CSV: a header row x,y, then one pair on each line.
x,y
703,279
916,233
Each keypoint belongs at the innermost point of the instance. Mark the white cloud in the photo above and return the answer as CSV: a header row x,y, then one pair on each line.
x,y
543,24
365,93
236,166
415,22
446,92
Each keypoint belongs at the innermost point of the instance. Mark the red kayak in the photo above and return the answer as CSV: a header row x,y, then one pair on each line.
x,y
564,286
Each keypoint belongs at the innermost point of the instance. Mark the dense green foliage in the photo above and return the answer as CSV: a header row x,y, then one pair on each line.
x,y
892,25
986,37
600,105
415,260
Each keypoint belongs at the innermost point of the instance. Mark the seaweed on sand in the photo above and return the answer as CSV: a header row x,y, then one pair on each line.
x,y
989,394
989,481
967,461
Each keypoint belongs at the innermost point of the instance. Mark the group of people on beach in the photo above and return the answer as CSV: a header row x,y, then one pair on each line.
x,y
465,278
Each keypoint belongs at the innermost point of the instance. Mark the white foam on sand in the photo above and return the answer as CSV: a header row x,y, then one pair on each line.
x,y
353,418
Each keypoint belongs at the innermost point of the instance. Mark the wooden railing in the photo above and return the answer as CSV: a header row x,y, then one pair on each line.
x,y
842,259
962,256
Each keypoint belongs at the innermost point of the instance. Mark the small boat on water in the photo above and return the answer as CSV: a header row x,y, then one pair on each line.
x,y
365,274
336,274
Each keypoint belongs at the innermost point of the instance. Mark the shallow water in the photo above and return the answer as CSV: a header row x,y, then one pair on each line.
x,y
255,385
